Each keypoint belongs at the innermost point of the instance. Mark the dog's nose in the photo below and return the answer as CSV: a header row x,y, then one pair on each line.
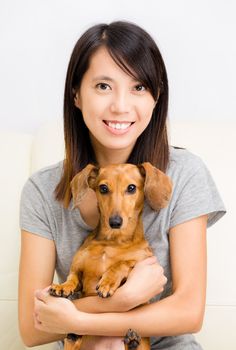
x,y
115,221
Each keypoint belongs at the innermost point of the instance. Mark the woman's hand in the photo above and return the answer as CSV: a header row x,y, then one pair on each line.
x,y
55,315
144,282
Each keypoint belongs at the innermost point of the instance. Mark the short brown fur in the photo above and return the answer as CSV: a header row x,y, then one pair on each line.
x,y
105,259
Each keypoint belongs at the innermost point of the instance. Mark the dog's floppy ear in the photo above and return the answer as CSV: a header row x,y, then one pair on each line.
x,y
157,186
81,183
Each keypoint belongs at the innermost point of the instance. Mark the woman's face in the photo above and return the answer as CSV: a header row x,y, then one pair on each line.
x,y
116,108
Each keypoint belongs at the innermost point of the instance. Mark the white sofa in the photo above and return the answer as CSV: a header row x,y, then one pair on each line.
x,y
214,142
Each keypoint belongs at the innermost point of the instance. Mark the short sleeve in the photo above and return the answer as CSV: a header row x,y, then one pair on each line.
x,y
34,211
197,196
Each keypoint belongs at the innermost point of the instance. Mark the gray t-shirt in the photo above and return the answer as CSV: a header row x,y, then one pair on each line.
x,y
194,194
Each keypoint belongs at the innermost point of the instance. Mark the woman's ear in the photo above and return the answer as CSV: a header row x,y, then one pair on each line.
x,y
82,182
77,99
157,186
157,98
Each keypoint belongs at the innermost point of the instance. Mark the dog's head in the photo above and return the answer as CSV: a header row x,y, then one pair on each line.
x,y
120,190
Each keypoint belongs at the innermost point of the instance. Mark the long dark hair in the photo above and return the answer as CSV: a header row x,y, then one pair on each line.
x,y
131,47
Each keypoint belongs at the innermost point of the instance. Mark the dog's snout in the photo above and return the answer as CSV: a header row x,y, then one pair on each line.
x,y
115,221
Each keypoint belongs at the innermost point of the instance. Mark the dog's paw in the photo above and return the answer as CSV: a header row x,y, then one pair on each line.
x,y
132,339
103,293
61,290
106,287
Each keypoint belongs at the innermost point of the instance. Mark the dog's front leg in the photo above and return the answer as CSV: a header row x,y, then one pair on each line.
x,y
73,282
113,277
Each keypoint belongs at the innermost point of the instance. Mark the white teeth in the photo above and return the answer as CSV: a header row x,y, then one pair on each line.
x,y
118,125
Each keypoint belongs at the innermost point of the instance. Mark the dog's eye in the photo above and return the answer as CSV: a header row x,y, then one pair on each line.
x,y
103,189
131,189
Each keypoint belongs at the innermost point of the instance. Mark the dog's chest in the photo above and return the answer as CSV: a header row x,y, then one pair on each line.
x,y
99,259
104,258
96,262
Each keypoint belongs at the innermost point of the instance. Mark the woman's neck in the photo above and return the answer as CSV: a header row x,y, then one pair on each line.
x,y
111,157
105,156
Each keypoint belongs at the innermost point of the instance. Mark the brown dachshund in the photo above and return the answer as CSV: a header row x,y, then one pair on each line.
x,y
118,242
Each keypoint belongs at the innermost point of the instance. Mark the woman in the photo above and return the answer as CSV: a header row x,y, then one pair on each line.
x,y
115,111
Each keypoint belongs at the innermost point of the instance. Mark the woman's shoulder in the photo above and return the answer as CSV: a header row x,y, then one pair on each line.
x,y
48,174
194,190
44,180
182,160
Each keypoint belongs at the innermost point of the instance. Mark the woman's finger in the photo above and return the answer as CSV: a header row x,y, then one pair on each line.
x,y
41,294
148,261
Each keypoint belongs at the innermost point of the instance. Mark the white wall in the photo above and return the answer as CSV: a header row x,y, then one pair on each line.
x,y
196,39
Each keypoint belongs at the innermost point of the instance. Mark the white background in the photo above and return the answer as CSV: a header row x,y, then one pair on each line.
x,y
196,38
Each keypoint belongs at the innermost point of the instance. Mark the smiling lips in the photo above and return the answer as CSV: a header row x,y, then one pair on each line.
x,y
117,128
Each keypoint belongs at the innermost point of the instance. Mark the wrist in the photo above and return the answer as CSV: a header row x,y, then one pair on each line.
x,y
119,302
127,299
81,323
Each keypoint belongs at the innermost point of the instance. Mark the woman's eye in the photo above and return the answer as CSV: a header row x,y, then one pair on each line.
x,y
140,87
103,86
103,189
131,188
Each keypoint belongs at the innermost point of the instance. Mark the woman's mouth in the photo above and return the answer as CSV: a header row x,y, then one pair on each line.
x,y
117,128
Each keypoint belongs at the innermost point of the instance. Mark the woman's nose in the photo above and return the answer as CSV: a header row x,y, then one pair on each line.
x,y
121,103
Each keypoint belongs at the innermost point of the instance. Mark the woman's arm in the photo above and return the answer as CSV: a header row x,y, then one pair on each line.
x,y
37,263
182,312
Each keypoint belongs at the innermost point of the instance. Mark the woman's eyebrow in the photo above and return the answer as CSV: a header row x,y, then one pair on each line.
x,y
105,77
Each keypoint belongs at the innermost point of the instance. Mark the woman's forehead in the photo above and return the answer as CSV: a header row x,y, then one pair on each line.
x,y
103,67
